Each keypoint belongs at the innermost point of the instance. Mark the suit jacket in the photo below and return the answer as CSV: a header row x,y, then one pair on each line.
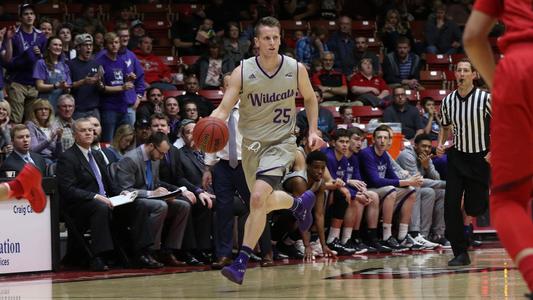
x,y
131,174
15,163
192,168
171,170
77,182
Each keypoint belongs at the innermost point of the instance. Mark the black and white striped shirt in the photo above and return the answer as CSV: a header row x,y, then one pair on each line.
x,y
470,117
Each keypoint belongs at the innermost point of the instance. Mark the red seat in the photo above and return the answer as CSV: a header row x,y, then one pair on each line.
x,y
329,25
215,96
189,59
417,29
290,26
152,11
174,93
363,114
438,61
364,28
51,10
432,79
456,58
436,94
184,9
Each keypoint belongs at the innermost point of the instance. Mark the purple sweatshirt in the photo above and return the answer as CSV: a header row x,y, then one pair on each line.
x,y
377,170
132,65
114,73
20,68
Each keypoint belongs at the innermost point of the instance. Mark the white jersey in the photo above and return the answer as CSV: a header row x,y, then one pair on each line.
x,y
268,108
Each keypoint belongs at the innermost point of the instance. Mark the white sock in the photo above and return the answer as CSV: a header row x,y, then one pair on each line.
x,y
387,231
346,234
402,231
333,234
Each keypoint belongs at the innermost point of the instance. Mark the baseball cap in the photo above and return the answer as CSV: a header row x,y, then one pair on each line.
x,y
82,39
24,6
136,23
142,123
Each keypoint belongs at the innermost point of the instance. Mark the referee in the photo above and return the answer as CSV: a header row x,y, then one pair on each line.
x,y
468,110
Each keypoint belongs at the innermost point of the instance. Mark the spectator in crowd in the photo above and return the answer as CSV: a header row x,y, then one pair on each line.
x,y
139,171
204,106
234,47
346,114
88,22
45,139
46,27
190,111
22,153
213,11
123,17
312,46
212,66
156,72
64,32
326,121
430,118
298,10
142,131
153,105
136,33
51,73
85,188
4,16
116,80
172,111
28,46
86,74
6,53
343,45
5,128
133,96
361,51
331,82
183,34
65,109
394,28
402,67
427,221
123,142
98,41
402,112
443,36
291,40
397,194
368,88
97,137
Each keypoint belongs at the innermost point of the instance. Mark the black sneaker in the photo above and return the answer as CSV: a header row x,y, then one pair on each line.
x,y
392,243
289,250
340,248
353,244
379,247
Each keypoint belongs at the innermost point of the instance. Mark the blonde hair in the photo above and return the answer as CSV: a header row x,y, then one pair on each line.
x,y
123,131
40,103
5,105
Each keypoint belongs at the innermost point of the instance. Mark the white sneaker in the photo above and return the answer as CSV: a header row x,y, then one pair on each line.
x,y
427,244
299,245
317,249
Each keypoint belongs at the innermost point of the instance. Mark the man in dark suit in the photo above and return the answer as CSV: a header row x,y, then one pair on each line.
x,y
197,237
138,171
85,188
20,135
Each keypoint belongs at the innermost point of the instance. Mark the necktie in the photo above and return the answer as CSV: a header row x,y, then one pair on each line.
x,y
232,142
149,177
28,159
97,174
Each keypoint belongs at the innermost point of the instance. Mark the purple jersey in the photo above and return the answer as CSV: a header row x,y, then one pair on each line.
x,y
377,170
114,73
337,168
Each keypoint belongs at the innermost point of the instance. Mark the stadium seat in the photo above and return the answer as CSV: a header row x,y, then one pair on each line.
x,y
290,26
417,29
364,28
153,11
174,93
214,96
184,9
189,59
436,94
329,25
438,61
363,114
432,79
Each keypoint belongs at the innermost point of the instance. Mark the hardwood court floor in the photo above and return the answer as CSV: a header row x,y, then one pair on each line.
x,y
415,276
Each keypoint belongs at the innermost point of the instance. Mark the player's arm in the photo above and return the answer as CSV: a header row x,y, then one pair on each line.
x,y
231,96
477,45
311,106
299,162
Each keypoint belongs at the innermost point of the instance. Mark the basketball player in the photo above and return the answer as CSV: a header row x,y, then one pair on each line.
x,y
512,96
267,86
26,185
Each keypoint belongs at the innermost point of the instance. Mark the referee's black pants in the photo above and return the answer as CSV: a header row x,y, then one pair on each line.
x,y
468,177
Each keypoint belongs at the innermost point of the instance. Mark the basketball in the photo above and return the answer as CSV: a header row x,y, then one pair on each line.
x,y
210,134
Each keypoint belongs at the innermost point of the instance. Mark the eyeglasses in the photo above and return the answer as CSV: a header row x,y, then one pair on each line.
x,y
159,151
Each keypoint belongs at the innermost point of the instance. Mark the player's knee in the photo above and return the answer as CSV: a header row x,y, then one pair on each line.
x,y
390,197
256,201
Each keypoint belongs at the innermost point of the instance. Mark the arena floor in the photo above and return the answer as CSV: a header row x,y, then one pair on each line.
x,y
421,275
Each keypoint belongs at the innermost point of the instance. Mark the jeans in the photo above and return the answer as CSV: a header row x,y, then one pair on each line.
x,y
111,120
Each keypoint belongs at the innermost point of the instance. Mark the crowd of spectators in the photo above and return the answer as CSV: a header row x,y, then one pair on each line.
x,y
94,89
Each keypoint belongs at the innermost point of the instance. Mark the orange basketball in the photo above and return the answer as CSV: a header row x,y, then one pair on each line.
x,y
210,134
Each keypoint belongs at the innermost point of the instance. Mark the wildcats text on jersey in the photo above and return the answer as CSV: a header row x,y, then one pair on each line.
x,y
258,99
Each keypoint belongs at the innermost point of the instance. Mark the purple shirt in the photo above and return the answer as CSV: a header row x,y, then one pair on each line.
x,y
337,168
114,72
377,170
60,72
20,68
